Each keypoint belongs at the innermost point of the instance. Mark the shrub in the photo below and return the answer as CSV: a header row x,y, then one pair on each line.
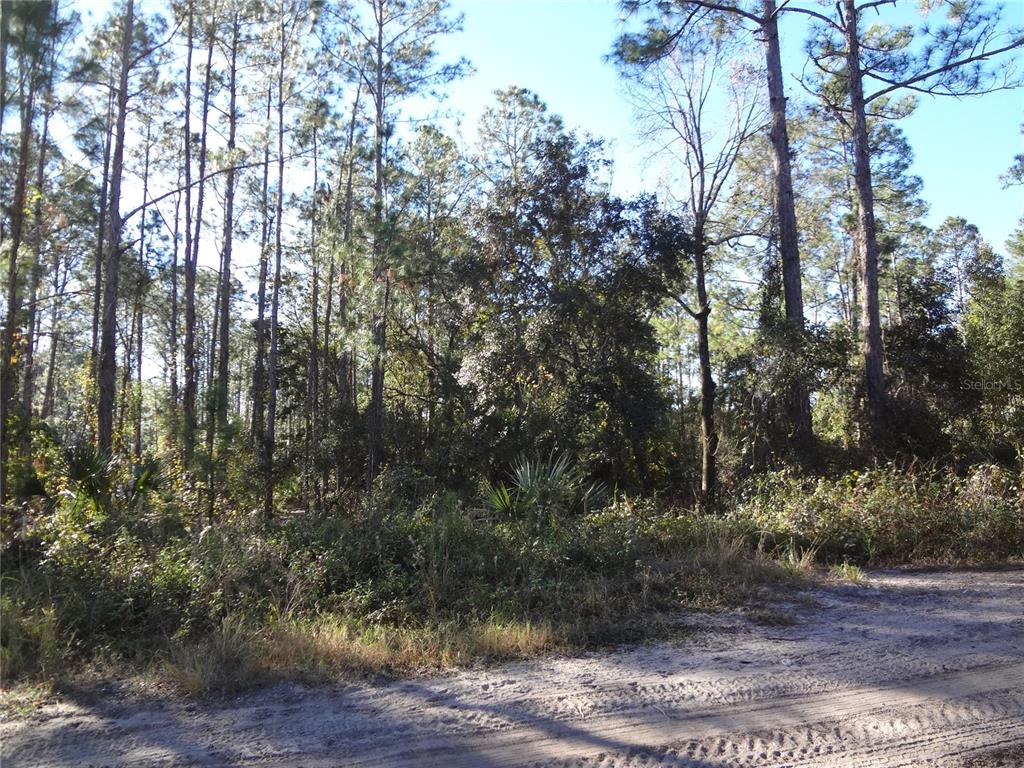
x,y
890,514
415,576
544,491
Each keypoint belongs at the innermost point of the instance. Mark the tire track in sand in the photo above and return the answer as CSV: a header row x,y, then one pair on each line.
x,y
915,669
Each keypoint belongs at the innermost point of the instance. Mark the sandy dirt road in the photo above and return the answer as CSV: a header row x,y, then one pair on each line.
x,y
911,669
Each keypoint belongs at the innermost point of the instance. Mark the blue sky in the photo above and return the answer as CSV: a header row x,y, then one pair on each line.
x,y
556,48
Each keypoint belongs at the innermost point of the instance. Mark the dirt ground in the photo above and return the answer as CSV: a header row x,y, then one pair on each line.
x,y
920,668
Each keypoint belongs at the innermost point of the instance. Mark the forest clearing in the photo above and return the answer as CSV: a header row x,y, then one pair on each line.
x,y
357,407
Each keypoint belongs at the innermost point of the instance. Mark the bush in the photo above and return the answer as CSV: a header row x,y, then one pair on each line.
x,y
889,514
544,491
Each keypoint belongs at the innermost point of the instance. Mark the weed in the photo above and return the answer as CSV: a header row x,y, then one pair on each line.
x,y
30,640
222,662
848,572
798,560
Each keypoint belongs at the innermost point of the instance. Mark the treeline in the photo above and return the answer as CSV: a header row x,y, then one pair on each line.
x,y
234,251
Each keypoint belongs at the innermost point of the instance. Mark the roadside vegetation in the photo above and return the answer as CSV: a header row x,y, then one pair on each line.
x,y
415,578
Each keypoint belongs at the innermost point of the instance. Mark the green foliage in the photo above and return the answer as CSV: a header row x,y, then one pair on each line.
x,y
31,642
755,385
929,369
545,490
561,355
90,473
890,515
546,550
994,336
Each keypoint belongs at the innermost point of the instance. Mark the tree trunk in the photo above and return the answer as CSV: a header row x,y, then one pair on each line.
x,y
223,372
259,374
122,409
101,233
59,282
867,243
172,331
313,400
211,404
4,34
218,416
48,391
139,319
375,412
344,356
346,362
126,409
324,404
268,496
708,435
143,272
190,278
8,375
28,394
785,212
191,267
112,265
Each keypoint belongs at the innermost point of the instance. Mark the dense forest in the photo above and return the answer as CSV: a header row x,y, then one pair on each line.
x,y
277,342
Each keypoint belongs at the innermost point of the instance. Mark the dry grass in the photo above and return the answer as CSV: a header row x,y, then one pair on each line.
x,y
30,642
723,570
330,647
848,572
223,662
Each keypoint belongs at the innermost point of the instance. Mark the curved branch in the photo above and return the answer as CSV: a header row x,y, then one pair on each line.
x,y
896,85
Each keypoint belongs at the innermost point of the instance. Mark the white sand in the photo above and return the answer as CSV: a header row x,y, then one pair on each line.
x,y
912,669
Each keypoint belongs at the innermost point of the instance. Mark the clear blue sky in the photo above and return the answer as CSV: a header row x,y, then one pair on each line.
x,y
556,48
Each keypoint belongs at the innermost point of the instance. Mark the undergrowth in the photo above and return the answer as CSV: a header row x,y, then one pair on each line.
x,y
406,582
891,515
